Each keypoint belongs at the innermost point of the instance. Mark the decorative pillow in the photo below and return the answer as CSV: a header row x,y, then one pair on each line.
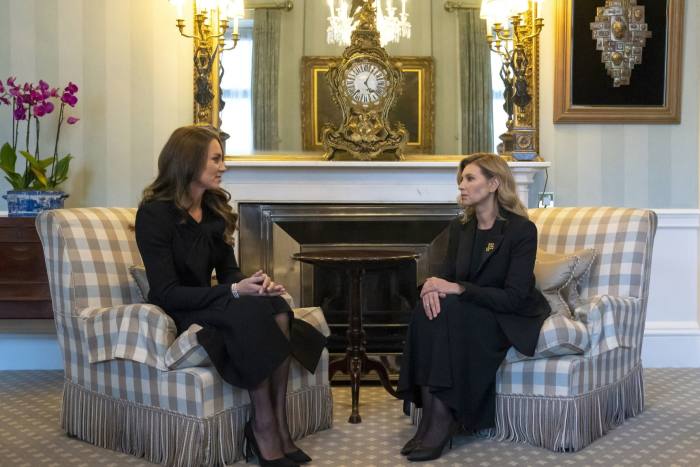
x,y
560,335
139,275
581,273
186,352
558,277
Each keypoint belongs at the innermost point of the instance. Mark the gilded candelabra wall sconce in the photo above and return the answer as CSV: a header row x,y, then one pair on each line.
x,y
620,34
514,27
210,33
210,24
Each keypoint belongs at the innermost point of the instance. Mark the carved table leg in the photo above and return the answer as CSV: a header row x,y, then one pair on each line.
x,y
373,365
356,341
339,364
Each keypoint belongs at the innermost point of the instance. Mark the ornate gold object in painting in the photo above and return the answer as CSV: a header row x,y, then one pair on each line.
x,y
364,84
620,34
209,27
517,45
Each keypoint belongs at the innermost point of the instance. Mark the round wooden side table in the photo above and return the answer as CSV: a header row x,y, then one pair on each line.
x,y
355,263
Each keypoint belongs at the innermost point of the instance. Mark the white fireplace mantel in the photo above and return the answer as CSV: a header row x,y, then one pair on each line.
x,y
355,181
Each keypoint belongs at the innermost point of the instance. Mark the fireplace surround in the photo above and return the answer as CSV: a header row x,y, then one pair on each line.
x,y
269,233
289,205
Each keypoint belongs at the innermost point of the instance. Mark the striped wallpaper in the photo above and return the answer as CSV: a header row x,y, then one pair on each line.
x,y
625,165
134,73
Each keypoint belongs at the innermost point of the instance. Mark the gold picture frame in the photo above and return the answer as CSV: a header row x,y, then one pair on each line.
x,y
577,97
415,107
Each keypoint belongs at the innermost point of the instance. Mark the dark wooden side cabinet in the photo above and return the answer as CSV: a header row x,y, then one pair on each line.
x,y
24,287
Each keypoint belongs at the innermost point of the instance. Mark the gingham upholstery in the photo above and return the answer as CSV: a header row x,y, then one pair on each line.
x,y
116,347
613,301
560,335
186,352
140,332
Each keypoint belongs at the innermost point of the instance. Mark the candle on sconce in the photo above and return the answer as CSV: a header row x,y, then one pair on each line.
x,y
330,7
178,4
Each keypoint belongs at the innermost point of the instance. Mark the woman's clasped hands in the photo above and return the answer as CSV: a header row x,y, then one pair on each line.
x,y
260,284
433,290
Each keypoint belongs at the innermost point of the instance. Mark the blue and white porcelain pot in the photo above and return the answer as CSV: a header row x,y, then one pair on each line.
x,y
29,203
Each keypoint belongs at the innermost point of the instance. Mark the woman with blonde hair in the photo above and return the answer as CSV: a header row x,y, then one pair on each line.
x,y
483,302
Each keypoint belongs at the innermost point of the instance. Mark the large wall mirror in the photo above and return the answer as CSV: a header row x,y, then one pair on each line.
x,y
439,34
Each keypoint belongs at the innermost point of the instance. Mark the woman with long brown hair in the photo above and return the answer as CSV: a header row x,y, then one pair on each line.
x,y
184,231
484,301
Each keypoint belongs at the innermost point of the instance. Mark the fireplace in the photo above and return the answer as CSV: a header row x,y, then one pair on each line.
x,y
271,232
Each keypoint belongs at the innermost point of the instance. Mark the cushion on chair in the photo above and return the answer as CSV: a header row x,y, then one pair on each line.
x,y
600,324
314,316
186,352
558,276
560,335
611,322
139,275
581,273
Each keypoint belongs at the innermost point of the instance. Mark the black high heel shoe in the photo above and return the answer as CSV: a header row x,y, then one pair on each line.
x,y
410,446
298,456
252,450
429,453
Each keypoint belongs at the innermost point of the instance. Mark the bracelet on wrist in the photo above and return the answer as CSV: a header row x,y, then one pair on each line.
x,y
234,290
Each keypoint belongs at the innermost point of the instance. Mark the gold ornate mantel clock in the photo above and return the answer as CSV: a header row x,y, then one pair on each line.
x,y
364,84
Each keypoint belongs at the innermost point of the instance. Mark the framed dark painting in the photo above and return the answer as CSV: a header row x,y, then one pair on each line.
x,y
585,92
414,107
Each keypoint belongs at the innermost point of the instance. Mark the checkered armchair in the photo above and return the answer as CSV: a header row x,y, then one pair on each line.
x,y
133,385
564,403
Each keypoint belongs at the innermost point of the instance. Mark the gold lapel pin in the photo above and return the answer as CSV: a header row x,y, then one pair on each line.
x,y
490,246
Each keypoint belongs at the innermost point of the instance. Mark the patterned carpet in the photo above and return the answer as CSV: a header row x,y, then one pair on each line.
x,y
666,434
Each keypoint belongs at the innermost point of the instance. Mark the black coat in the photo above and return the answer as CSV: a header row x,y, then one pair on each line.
x,y
180,254
505,281
241,336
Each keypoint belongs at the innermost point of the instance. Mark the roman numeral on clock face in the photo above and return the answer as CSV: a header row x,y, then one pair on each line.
x,y
365,82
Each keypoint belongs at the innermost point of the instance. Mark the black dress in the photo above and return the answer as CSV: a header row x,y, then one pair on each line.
x,y
458,353
241,336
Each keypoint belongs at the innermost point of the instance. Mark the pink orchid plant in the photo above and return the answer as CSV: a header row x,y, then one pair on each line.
x,y
30,103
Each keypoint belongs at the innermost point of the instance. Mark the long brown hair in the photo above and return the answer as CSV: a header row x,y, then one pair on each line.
x,y
181,161
492,165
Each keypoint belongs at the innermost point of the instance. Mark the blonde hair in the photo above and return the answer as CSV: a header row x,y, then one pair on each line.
x,y
492,165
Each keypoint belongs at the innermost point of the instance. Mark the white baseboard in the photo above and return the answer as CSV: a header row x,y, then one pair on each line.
x,y
30,352
671,344
29,344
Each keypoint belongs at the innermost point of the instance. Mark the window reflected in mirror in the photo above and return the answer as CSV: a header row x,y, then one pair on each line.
x,y
236,115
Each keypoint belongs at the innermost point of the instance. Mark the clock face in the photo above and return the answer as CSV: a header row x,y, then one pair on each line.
x,y
366,82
